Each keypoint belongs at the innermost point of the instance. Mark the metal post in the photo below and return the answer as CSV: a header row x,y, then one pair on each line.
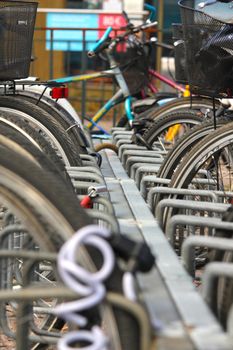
x,y
83,69
68,58
160,7
51,54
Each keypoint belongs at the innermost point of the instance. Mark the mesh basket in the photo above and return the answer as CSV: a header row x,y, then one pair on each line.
x,y
17,20
134,66
179,51
208,51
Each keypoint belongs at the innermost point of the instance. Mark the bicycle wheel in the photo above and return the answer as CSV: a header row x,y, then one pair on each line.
x,y
68,123
183,146
180,121
62,104
28,146
47,225
182,103
203,151
207,166
44,123
35,232
197,103
34,137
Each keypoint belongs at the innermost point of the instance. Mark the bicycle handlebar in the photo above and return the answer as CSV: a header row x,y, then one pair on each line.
x,y
105,42
101,44
152,12
132,30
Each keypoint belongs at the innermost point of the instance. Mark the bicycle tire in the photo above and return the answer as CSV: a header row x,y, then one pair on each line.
x,y
28,110
64,209
41,142
183,146
178,104
36,95
47,236
24,145
68,123
208,147
62,104
163,123
181,177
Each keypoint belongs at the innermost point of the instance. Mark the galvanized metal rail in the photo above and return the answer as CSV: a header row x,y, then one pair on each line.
x,y
181,318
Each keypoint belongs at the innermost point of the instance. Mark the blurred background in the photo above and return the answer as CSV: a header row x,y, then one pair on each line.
x,y
66,29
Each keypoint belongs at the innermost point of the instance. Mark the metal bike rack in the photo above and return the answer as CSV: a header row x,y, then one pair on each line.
x,y
180,315
177,310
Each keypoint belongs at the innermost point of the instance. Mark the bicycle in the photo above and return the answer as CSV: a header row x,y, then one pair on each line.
x,y
15,58
203,160
73,126
174,164
197,75
129,70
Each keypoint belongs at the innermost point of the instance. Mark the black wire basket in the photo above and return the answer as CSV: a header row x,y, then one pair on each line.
x,y
208,51
17,21
179,53
134,65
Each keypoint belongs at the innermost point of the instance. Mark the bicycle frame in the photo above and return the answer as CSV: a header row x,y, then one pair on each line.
x,y
120,95
123,94
116,98
165,80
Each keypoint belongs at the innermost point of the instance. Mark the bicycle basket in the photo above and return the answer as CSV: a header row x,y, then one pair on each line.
x,y
17,20
179,51
134,67
208,50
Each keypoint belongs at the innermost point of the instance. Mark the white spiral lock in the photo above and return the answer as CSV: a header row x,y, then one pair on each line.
x,y
86,284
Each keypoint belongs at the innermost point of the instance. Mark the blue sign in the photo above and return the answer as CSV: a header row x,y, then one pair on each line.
x,y
71,40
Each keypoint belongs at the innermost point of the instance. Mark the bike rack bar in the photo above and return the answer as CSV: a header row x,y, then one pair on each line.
x,y
144,182
179,191
212,271
103,217
92,177
134,160
121,137
139,153
123,142
89,169
138,165
216,243
143,171
127,147
88,158
175,307
219,208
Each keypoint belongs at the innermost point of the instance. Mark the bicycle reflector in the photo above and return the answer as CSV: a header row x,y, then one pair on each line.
x,y
59,92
